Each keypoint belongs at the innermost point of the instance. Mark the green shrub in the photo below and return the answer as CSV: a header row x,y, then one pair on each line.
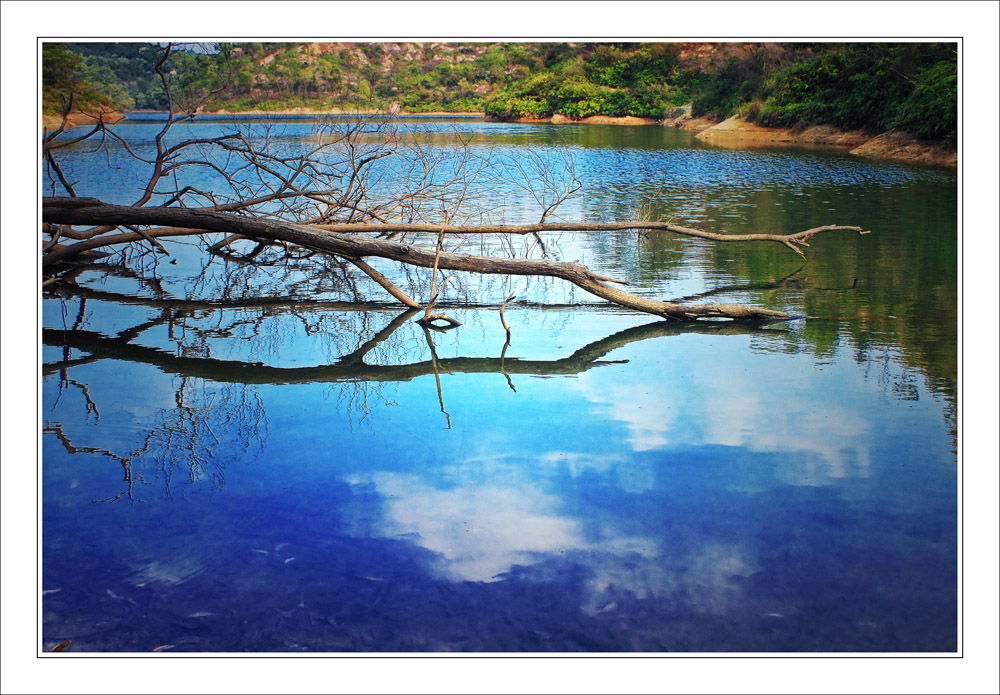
x,y
507,106
930,111
911,87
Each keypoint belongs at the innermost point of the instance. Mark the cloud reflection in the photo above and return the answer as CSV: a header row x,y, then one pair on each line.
x,y
487,528
479,531
690,404
704,581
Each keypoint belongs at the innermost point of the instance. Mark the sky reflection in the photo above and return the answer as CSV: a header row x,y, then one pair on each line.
x,y
642,489
604,485
693,402
485,532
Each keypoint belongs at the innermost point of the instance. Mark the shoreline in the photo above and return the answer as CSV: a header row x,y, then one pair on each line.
x,y
893,145
307,111
75,119
733,132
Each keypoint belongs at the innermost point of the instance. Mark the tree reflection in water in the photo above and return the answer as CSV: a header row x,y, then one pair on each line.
x,y
217,404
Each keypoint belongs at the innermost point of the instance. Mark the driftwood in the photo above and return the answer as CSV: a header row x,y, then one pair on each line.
x,y
355,242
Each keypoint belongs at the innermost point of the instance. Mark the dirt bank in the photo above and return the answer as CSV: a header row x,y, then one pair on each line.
x,y
681,118
78,118
897,145
607,120
735,132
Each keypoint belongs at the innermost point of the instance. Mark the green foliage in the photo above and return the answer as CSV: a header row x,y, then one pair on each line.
x,y
879,86
737,81
611,66
506,106
105,81
930,109
67,80
596,79
60,67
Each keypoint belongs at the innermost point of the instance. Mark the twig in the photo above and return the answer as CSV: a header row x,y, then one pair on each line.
x,y
502,321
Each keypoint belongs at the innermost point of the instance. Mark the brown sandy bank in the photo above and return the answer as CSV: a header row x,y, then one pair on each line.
x,y
736,132
898,145
78,118
606,120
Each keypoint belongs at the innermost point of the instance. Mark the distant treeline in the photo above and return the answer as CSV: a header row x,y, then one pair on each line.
x,y
878,86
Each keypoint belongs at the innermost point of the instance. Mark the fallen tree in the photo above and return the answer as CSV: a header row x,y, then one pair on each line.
x,y
346,241
355,189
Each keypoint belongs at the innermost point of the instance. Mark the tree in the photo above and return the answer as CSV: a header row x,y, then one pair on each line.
x,y
69,84
357,191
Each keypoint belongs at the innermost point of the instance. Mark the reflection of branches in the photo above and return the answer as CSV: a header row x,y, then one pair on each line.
x,y
350,368
183,440
126,461
183,437
209,425
786,281
64,380
437,375
278,302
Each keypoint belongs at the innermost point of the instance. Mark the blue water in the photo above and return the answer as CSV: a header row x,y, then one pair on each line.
x,y
312,476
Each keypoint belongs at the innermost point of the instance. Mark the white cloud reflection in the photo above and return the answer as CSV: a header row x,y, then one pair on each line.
x,y
694,402
479,531
490,513
482,524
703,581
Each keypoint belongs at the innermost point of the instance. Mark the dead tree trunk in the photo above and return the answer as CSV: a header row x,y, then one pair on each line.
x,y
345,241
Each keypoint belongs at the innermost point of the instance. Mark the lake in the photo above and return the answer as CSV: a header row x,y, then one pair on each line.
x,y
240,460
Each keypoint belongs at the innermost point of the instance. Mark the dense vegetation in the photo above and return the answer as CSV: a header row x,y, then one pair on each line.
x,y
68,82
878,86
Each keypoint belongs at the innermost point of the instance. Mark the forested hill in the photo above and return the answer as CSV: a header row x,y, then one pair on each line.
x,y
878,86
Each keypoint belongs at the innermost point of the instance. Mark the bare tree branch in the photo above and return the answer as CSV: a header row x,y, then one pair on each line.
x,y
355,190
187,222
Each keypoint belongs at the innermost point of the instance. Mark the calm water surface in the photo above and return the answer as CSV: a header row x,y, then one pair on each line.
x,y
308,474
